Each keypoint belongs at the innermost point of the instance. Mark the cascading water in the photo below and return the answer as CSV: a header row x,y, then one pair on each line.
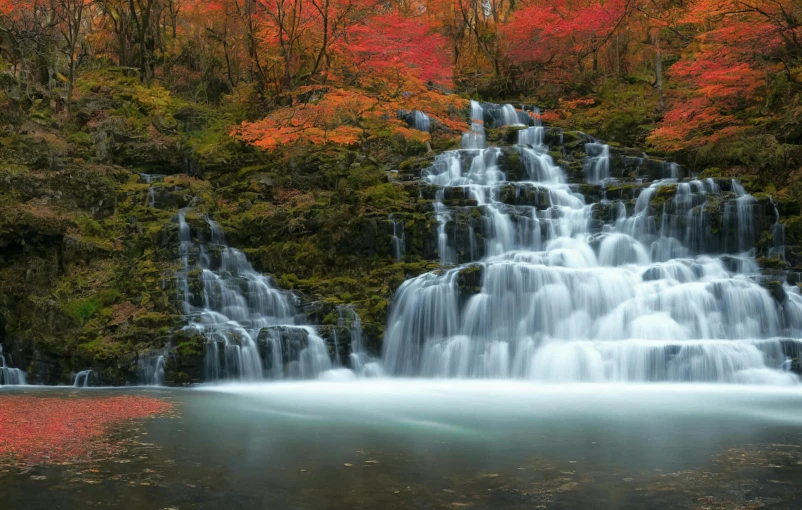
x,y
421,121
494,116
597,165
399,239
252,330
359,361
778,237
150,367
564,290
10,376
150,179
532,136
82,379
538,283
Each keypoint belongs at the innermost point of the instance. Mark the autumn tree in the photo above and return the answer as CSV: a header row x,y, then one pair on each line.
x,y
726,72
70,17
565,37
29,43
391,48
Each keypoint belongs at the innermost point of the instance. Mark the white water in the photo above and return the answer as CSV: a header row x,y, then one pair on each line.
x,y
252,329
597,165
421,121
561,300
448,408
548,289
150,179
239,312
150,368
82,379
10,376
399,239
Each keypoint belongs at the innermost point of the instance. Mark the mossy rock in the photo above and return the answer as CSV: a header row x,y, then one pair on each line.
x,y
470,278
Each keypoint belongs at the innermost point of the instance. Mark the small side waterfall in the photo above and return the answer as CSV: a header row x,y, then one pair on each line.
x,y
10,376
416,119
421,121
475,138
359,361
82,379
150,368
150,179
496,116
778,237
739,220
399,239
477,112
252,329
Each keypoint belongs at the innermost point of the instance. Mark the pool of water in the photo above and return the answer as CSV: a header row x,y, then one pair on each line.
x,y
444,444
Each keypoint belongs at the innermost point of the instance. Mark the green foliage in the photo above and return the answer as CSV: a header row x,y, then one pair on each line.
x,y
89,226
81,310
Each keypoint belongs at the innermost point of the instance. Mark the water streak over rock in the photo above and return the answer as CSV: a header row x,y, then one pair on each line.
x,y
661,288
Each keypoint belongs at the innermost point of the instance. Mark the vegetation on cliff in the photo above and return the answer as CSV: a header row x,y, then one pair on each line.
x,y
281,120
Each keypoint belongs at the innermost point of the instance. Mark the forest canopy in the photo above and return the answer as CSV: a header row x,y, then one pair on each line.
x,y
684,77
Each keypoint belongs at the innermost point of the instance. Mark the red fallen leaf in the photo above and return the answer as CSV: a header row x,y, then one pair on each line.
x,y
53,429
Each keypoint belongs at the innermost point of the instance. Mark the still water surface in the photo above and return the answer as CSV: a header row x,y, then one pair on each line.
x,y
445,444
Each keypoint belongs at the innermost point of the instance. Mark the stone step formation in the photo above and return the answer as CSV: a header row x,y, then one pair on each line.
x,y
558,258
606,267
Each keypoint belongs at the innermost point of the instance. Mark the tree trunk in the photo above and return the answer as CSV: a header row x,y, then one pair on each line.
x,y
658,69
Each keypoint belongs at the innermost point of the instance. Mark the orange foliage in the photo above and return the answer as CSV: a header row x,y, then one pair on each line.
x,y
723,73
345,116
55,429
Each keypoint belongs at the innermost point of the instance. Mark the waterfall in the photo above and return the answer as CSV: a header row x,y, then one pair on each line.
x,y
10,376
359,361
542,277
531,136
739,220
252,329
778,237
420,121
509,115
399,239
150,179
150,368
597,164
560,289
477,112
536,117
82,379
496,116
475,138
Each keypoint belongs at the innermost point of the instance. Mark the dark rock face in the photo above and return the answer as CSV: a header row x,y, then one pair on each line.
x,y
88,250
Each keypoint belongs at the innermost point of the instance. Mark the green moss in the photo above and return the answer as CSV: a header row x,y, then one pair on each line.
x,y
80,138
663,194
288,281
81,310
711,172
89,226
470,279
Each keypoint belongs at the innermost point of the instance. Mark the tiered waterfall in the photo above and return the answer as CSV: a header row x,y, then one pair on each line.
x,y
552,287
252,329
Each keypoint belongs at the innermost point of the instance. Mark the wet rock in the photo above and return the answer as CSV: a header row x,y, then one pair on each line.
x,y
776,290
470,279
